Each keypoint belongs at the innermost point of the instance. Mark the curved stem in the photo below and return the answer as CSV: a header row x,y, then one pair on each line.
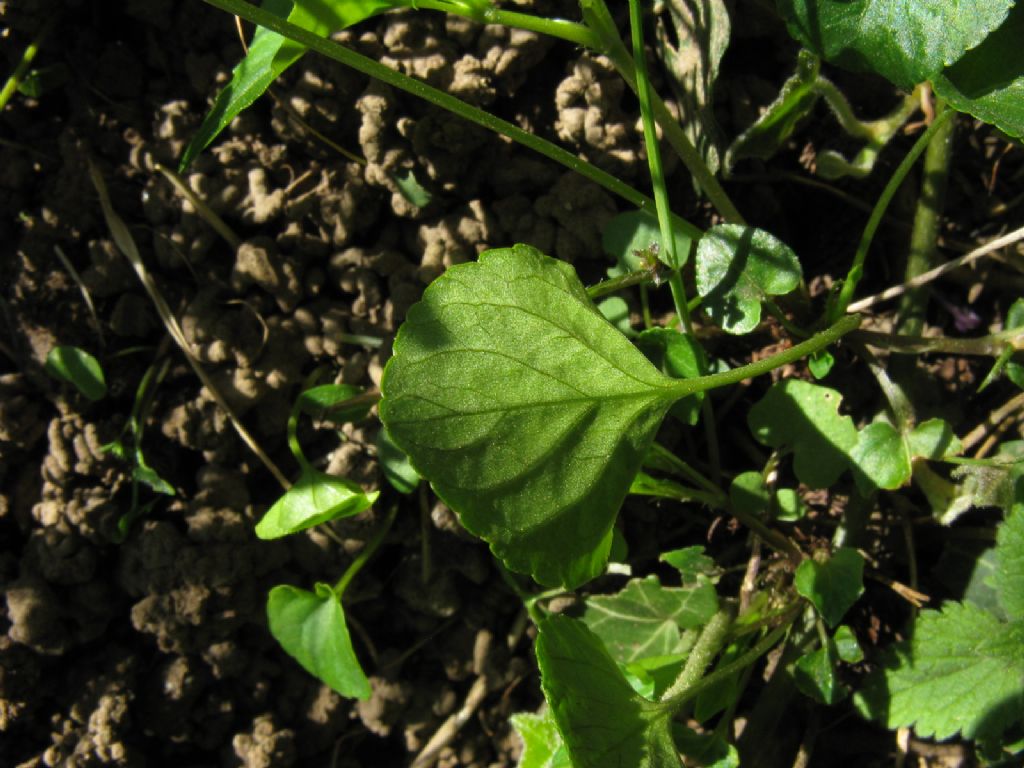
x,y
371,546
446,101
857,268
12,83
712,639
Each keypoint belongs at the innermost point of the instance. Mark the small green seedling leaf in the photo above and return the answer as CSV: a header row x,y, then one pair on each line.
x,y
311,628
805,417
933,440
316,498
815,675
395,465
832,586
693,565
880,459
907,41
542,743
603,721
270,55
331,402
631,232
539,465
820,364
737,268
646,619
411,189
681,357
78,368
847,647
789,507
988,81
778,122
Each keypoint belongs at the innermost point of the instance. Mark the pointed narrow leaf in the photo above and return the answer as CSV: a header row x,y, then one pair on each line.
x,y
737,268
79,368
805,417
328,401
832,586
316,498
907,41
646,619
880,459
603,721
311,628
525,409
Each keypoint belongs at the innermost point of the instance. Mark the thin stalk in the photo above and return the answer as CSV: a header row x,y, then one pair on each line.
x,y
371,546
856,272
991,345
711,641
662,454
25,62
821,340
204,211
923,237
441,99
572,31
615,284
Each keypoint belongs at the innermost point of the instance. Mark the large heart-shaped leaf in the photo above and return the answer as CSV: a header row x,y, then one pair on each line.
x,y
311,628
738,267
603,721
525,409
907,41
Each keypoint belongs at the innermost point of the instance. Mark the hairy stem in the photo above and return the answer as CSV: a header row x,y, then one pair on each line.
x,y
712,639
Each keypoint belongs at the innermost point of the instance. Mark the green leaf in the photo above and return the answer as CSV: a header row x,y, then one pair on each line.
x,y
652,676
627,233
805,417
934,440
692,564
815,675
542,743
832,586
1015,319
749,494
988,82
603,721
847,647
645,619
907,41
789,506
311,629
78,368
780,119
880,459
411,189
681,357
316,498
960,673
1008,578
820,364
708,749
525,409
737,268
395,465
270,54
328,401
616,311
148,476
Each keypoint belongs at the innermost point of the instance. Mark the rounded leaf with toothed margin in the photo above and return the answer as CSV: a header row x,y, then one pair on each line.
x,y
311,627
525,409
737,268
316,498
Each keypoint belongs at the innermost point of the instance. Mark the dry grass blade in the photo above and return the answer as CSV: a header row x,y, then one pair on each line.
x,y
86,296
201,208
126,244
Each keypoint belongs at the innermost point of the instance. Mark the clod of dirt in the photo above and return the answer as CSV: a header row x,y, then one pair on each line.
x,y
581,208
454,239
385,706
258,263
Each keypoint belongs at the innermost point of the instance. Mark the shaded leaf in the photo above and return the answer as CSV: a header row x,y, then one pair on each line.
x,y
748,494
847,647
681,357
328,402
542,743
78,368
907,41
645,619
316,498
616,311
395,465
805,417
311,628
737,268
708,749
692,564
789,506
933,439
988,82
832,586
603,721
815,675
411,189
527,411
880,459
627,233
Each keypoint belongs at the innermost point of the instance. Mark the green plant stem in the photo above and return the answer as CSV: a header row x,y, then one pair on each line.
x,y
572,31
293,438
989,346
441,99
924,235
711,641
856,272
371,546
615,284
674,463
762,647
683,387
27,57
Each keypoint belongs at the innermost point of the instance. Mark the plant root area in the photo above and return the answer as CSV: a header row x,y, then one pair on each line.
x,y
133,629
